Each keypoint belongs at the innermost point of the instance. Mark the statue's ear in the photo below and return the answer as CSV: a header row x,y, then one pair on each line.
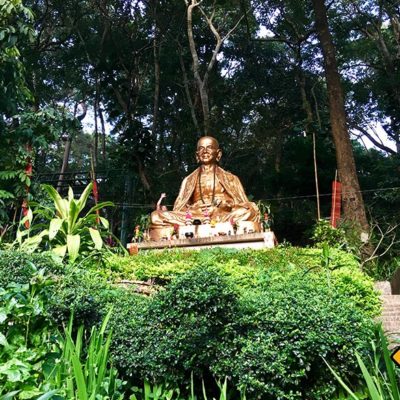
x,y
219,155
197,157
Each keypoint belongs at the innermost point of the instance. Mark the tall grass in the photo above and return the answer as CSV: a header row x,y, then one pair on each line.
x,y
164,392
85,373
380,376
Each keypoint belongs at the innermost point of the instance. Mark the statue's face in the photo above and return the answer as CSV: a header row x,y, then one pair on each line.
x,y
208,151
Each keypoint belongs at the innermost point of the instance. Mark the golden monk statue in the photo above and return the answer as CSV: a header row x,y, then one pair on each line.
x,y
208,194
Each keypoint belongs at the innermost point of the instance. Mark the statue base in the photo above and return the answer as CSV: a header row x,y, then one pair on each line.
x,y
259,240
204,231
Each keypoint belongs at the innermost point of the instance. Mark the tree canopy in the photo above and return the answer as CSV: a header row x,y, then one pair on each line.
x,y
131,86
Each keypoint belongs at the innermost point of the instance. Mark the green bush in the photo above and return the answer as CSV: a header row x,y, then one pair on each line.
x,y
18,267
26,338
84,293
270,339
248,268
167,265
283,331
178,331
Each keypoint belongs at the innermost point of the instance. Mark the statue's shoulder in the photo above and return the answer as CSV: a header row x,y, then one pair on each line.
x,y
227,175
189,178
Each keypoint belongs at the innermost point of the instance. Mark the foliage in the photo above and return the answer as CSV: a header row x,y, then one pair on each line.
x,y
284,330
248,267
83,293
379,373
269,338
67,231
15,27
26,337
180,329
323,232
19,267
35,358
168,392
84,371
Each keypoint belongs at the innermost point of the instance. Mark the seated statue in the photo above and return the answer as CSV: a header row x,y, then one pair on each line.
x,y
208,193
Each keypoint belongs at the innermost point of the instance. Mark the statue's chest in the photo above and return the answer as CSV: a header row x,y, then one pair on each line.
x,y
209,184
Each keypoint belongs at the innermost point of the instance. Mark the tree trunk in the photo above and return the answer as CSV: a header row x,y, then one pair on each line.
x,y
187,92
156,55
353,204
64,166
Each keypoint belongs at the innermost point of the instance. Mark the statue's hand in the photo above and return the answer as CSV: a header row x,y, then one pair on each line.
x,y
207,207
225,205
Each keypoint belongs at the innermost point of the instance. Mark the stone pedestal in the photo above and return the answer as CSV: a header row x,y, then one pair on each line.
x,y
259,240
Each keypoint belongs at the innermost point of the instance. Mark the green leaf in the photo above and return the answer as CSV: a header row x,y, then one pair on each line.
x,y
77,369
6,195
70,193
73,244
96,237
99,206
60,250
3,315
9,395
74,212
32,243
84,196
29,394
340,380
58,201
48,395
3,340
104,222
55,225
372,388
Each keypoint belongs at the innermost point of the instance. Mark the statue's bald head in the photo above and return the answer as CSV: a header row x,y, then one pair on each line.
x,y
208,138
208,151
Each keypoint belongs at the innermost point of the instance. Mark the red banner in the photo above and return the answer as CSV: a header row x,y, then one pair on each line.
x,y
95,191
336,203
28,173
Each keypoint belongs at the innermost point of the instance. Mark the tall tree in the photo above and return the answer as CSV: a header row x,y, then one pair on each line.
x,y
353,203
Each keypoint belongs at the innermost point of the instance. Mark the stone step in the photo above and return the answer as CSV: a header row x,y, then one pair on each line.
x,y
391,298
383,287
390,316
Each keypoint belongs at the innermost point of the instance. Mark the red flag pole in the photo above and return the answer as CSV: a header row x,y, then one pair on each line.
x,y
95,188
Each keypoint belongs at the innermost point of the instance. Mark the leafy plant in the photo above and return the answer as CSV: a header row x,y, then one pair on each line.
x,y
379,373
67,232
26,337
19,267
178,331
84,372
324,233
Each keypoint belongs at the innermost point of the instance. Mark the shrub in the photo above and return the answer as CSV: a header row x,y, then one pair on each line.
x,y
26,346
167,265
247,268
84,293
18,267
269,339
283,331
179,330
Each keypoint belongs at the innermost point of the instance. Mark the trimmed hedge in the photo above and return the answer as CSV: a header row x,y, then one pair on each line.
x,y
270,340
243,265
248,268
178,331
283,333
